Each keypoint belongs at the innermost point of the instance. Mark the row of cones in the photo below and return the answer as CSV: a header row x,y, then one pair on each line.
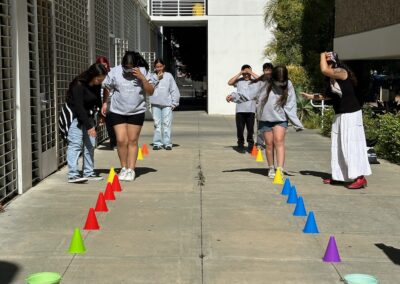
x,y
278,179
113,185
331,253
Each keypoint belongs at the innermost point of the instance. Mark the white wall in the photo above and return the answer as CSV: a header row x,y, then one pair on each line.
x,y
236,36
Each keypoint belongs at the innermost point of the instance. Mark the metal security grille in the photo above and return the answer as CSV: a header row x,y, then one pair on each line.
x,y
8,154
120,46
34,92
72,53
101,45
131,24
149,57
101,28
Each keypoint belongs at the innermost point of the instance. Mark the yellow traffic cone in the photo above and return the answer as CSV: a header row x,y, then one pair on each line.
x,y
140,155
111,175
278,176
259,156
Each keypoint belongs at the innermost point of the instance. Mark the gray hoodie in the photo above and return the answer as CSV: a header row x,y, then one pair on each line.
x,y
166,92
268,110
247,88
128,95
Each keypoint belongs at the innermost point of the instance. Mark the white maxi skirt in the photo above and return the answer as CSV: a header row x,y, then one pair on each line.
x,y
349,158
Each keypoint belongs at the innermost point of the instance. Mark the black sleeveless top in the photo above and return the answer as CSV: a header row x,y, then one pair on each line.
x,y
348,102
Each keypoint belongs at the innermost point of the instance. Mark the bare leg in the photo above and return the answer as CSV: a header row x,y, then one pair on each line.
x,y
269,149
121,133
279,143
133,139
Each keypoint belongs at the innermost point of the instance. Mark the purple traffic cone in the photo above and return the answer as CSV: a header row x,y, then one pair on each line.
x,y
331,253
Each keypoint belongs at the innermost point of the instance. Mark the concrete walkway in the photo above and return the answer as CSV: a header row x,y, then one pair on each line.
x,y
204,213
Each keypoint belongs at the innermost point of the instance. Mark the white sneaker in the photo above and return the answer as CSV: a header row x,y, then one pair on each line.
x,y
130,175
122,174
271,172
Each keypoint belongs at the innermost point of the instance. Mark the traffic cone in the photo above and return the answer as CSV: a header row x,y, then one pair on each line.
x,y
259,156
111,175
140,155
91,221
286,187
331,253
116,186
278,176
77,245
292,198
101,205
300,210
109,194
254,151
311,225
145,150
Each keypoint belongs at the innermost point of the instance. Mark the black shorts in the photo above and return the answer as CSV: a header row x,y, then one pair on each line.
x,y
136,119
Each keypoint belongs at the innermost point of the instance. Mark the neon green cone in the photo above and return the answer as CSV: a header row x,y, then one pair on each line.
x,y
77,245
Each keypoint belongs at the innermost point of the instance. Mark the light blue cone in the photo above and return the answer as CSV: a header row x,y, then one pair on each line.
x,y
311,225
286,187
292,199
300,210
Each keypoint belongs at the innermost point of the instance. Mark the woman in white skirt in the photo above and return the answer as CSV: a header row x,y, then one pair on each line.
x,y
349,160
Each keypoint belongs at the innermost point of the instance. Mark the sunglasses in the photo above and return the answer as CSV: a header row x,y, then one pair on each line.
x,y
127,70
280,84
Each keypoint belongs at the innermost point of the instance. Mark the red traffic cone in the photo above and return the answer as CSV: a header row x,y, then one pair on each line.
x,y
109,194
116,186
91,221
254,151
145,150
101,205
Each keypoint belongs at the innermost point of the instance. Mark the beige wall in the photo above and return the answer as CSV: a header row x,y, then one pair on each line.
x,y
355,16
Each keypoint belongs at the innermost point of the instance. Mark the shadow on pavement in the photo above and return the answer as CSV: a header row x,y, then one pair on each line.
x,y
8,271
138,171
259,171
392,253
315,174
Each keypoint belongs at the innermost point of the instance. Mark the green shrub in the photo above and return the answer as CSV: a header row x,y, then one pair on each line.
x,y
313,121
388,146
326,122
371,124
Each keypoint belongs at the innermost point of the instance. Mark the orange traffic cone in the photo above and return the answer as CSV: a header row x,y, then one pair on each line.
x,y
91,221
116,186
109,194
101,205
145,150
254,151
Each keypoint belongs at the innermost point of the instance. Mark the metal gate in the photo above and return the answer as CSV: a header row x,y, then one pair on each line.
x,y
8,151
71,50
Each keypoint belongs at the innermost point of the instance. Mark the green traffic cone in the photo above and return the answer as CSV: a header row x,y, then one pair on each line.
x,y
77,245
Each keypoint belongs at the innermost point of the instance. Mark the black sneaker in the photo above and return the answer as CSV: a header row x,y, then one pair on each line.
x,y
156,148
250,148
241,149
169,148
94,177
77,179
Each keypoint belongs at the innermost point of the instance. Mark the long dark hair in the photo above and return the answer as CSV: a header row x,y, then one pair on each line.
x,y
87,76
158,60
279,74
135,59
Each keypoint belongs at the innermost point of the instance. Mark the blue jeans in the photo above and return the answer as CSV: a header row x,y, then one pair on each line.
x,y
78,138
162,117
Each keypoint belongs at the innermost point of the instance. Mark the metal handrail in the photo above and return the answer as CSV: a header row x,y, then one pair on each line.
x,y
178,8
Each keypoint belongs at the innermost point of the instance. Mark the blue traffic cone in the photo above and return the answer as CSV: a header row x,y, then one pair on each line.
x,y
300,210
311,225
292,199
286,187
